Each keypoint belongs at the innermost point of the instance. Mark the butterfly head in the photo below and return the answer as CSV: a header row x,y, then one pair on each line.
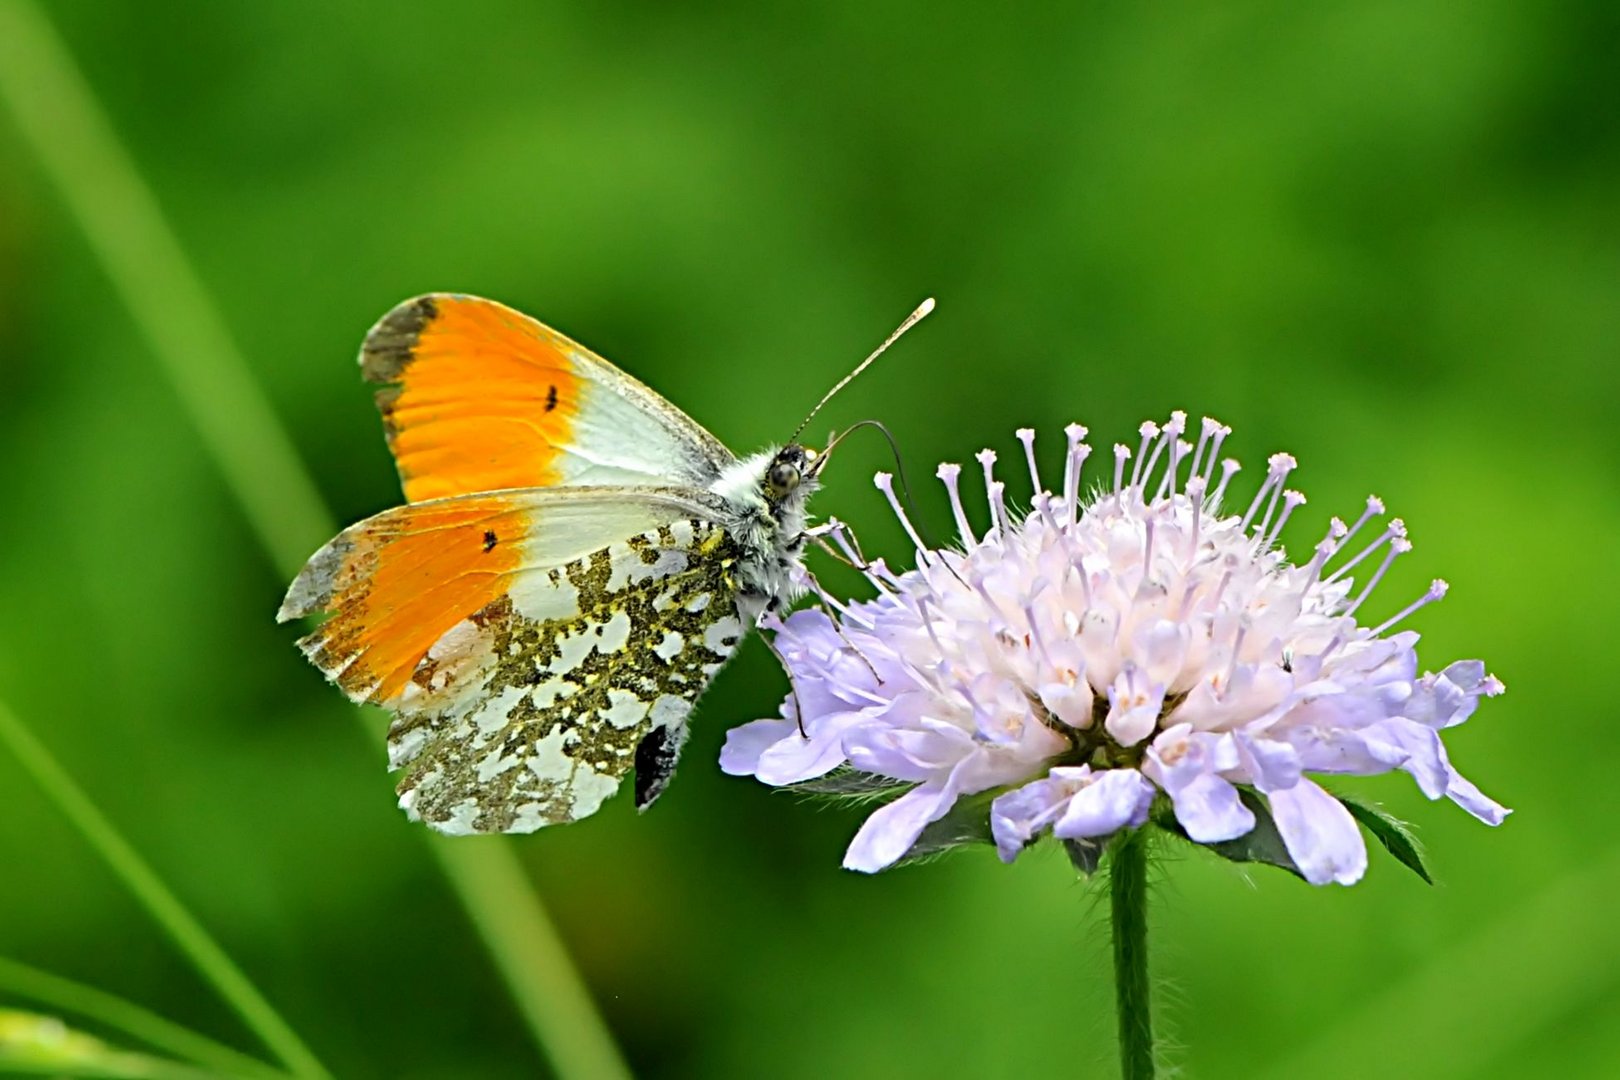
x,y
792,475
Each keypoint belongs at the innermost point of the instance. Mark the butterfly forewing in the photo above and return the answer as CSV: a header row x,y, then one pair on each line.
x,y
479,397
531,711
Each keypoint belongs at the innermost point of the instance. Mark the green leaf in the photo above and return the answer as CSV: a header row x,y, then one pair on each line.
x,y
1261,844
845,784
1086,854
1391,831
967,822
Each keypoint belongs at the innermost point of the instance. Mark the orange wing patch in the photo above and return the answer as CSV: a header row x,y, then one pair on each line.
x,y
479,396
398,581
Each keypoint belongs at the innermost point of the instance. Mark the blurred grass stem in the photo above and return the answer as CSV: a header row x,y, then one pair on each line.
x,y
59,117
1127,885
67,996
182,927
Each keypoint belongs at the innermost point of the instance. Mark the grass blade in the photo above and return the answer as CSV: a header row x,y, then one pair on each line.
x,y
125,228
182,927
65,995
31,1044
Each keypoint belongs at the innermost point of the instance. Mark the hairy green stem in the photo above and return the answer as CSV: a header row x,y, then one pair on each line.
x,y
1127,881
164,907
78,150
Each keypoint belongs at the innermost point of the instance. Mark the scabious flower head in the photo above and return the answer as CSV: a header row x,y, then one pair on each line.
x,y
1085,657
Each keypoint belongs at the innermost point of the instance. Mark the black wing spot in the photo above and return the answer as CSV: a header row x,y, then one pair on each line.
x,y
490,540
551,399
656,754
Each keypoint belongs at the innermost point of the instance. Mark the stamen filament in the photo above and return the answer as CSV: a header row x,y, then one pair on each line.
x,y
1078,452
1229,468
950,475
885,484
1396,528
1398,546
1027,437
1121,453
1149,431
1437,589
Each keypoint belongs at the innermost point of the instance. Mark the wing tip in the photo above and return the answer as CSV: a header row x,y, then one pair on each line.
x,y
390,343
311,591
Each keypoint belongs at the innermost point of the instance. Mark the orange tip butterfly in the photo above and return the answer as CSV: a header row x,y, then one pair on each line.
x,y
576,560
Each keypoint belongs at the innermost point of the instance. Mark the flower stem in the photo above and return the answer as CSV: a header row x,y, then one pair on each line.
x,y
1128,894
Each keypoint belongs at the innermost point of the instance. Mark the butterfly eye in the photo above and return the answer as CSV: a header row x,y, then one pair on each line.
x,y
782,478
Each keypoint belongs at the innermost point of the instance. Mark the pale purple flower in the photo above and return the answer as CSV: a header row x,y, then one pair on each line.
x,y
1088,656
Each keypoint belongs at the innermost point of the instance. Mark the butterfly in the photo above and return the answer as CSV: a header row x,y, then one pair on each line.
x,y
576,560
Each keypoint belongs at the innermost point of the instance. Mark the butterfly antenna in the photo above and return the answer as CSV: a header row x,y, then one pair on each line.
x,y
911,320
899,470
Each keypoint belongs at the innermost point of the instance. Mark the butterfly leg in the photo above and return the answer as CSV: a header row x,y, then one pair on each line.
x,y
770,643
851,555
828,605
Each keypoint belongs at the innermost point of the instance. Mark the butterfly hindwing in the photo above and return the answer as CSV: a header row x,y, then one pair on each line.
x,y
531,711
533,645
478,397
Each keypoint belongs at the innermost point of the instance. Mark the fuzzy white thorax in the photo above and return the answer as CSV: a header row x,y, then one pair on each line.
x,y
769,533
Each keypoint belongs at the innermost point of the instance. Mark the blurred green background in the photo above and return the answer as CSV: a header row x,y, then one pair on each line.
x,y
1384,237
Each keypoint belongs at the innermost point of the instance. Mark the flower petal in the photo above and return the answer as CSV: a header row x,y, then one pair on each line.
x,y
746,742
891,830
1116,799
1471,799
1267,764
1017,816
1425,757
906,753
1135,701
1320,834
1209,809
796,758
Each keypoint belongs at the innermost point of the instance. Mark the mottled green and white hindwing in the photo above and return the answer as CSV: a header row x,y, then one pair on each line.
x,y
530,712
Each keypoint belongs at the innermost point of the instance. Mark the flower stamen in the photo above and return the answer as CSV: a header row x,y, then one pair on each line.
x,y
1437,589
949,475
